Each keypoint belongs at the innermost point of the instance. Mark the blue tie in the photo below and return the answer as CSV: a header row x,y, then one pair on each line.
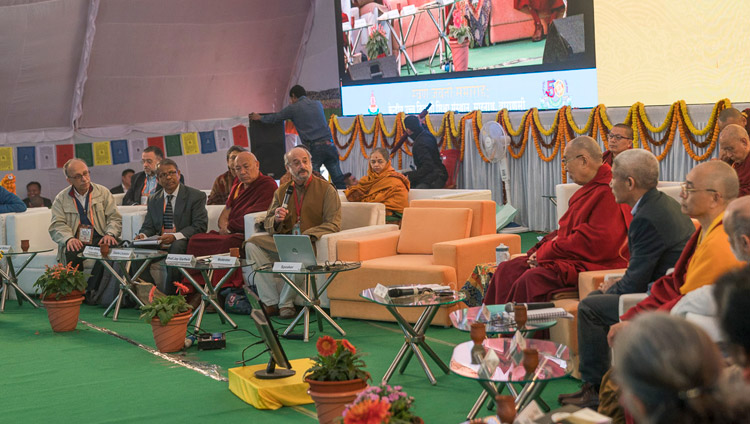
x,y
168,214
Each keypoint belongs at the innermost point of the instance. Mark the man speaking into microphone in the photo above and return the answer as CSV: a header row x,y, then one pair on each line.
x,y
306,205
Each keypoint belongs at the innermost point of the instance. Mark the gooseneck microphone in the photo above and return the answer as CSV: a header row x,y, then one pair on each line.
x,y
406,291
287,196
529,306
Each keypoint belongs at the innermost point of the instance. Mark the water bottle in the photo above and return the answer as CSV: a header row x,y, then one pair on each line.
x,y
502,253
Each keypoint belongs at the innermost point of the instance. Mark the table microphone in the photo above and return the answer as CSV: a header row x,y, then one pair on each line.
x,y
406,291
287,196
509,307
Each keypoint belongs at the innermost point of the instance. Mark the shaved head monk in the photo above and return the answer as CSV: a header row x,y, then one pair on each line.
x,y
253,193
734,146
591,235
729,116
620,139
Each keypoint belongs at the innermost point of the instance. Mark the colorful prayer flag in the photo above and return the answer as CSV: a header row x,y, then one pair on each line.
x,y
6,158
26,157
119,151
136,148
174,147
46,155
208,141
102,155
223,142
190,143
240,136
64,153
155,141
85,152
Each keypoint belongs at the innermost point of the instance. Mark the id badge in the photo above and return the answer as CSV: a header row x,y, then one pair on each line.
x,y
296,231
144,200
86,234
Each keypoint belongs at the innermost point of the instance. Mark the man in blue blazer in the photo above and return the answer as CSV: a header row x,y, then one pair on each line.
x,y
656,238
175,214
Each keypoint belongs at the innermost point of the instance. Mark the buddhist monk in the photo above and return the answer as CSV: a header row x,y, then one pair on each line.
x,y
726,117
591,236
734,145
620,138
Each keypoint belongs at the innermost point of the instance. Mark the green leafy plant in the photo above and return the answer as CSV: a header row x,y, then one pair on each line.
x,y
462,33
164,307
337,361
377,42
61,280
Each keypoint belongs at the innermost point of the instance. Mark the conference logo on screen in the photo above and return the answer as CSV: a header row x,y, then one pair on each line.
x,y
555,94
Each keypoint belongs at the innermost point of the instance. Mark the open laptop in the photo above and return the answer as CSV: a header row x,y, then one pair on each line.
x,y
295,248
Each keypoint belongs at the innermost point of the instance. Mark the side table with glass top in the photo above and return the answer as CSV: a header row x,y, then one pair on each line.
x,y
496,325
414,336
554,363
10,276
209,294
126,281
311,293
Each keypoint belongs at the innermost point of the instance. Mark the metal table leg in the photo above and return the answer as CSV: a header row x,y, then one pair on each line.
x,y
208,295
10,280
311,295
126,284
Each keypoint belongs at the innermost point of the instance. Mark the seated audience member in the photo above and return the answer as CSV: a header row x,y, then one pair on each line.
x,y
350,180
124,186
620,139
707,190
382,184
145,183
732,297
224,182
670,372
430,172
175,214
591,236
253,193
83,214
9,202
314,210
734,145
34,197
726,117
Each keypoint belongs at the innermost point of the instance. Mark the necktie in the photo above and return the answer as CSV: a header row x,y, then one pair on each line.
x,y
168,214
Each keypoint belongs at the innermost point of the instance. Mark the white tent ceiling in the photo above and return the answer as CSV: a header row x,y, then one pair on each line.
x,y
117,64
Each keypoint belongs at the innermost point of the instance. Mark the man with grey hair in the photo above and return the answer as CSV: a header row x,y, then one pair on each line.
x,y
734,145
656,238
314,209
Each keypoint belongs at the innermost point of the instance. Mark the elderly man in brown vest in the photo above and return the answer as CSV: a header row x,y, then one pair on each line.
x,y
314,209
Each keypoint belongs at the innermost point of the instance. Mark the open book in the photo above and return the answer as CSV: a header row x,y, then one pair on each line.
x,y
547,313
148,241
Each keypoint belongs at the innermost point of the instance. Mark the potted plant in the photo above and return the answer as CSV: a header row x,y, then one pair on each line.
x,y
169,316
336,377
382,404
377,43
460,37
61,290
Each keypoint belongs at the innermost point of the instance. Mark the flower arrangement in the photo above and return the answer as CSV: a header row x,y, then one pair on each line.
x,y
337,361
165,307
61,280
460,29
380,404
377,43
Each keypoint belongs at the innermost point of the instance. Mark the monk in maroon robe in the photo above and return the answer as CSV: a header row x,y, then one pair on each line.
x,y
734,145
253,193
591,236
730,116
620,138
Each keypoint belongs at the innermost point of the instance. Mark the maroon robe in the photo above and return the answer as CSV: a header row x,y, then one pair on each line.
x,y
242,200
743,173
608,157
592,236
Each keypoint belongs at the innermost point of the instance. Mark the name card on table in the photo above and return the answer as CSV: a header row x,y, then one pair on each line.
x,y
287,266
381,291
92,251
5,248
408,10
224,260
185,260
346,26
121,253
360,23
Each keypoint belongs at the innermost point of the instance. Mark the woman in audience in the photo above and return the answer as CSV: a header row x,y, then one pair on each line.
x,y
669,372
382,184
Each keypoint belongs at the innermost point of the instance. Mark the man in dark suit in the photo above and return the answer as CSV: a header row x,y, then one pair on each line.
x,y
144,183
656,238
175,214
124,186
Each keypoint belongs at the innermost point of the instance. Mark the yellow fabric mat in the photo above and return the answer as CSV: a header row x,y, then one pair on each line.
x,y
271,394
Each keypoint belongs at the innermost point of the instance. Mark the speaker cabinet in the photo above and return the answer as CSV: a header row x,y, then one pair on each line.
x,y
565,40
268,144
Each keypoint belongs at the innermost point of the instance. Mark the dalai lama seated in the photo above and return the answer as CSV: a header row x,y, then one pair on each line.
x,y
253,193
591,236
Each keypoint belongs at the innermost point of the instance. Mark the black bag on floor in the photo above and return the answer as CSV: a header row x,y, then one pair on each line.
x,y
103,287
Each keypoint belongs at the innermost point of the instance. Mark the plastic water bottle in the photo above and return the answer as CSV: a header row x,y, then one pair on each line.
x,y
502,253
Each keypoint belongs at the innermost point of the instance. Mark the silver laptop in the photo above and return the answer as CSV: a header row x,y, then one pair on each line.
x,y
295,248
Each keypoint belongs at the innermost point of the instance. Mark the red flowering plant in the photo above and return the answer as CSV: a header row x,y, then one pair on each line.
x,y
61,280
337,361
165,307
381,404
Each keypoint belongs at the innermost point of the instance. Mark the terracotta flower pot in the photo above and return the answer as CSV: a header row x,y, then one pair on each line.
x,y
460,54
331,397
506,408
63,314
171,337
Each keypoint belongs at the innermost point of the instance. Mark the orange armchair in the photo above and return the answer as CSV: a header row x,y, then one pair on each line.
x,y
433,246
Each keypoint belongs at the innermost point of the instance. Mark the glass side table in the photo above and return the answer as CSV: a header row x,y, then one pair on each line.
x,y
10,276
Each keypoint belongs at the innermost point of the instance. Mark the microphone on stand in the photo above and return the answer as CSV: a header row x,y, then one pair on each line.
x,y
406,291
509,307
287,196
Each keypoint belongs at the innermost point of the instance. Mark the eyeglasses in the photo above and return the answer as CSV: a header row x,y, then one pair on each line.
x,y
565,161
167,174
616,137
80,176
685,189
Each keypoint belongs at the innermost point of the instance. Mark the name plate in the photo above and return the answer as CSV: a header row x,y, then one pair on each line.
x,y
175,259
92,251
224,260
408,10
5,248
346,26
287,266
360,23
121,253
381,291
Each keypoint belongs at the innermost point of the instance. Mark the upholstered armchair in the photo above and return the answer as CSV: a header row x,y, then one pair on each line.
x,y
433,246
